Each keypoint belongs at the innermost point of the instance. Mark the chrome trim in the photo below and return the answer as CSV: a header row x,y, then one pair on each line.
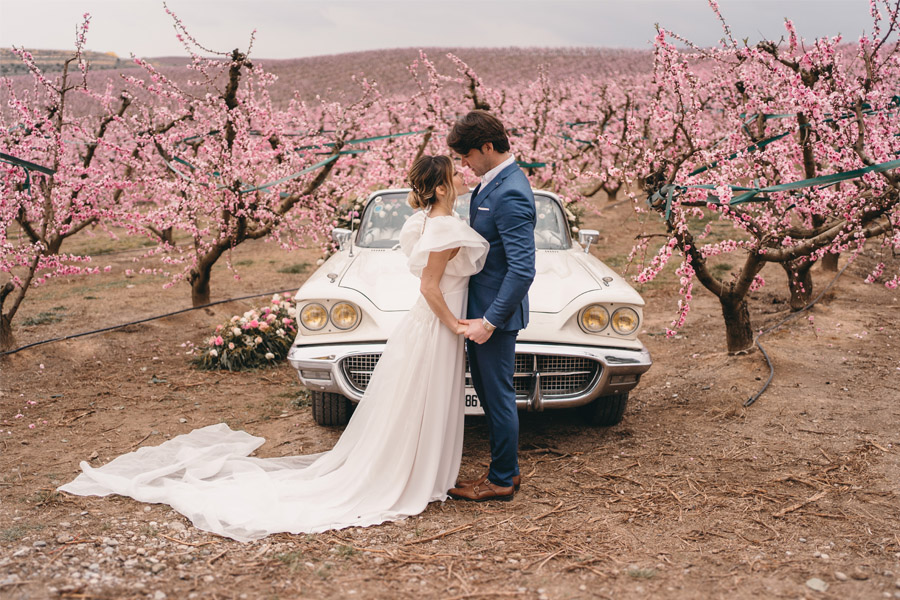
x,y
613,361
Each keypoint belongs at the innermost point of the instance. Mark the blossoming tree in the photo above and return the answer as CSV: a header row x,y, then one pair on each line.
x,y
228,166
792,147
62,173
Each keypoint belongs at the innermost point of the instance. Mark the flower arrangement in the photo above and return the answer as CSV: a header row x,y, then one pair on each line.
x,y
259,338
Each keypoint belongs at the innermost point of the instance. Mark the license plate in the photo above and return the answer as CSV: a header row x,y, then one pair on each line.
x,y
473,404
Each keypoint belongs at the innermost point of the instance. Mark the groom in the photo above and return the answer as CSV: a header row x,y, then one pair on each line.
x,y
502,211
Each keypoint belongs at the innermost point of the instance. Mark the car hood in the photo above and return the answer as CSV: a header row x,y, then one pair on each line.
x,y
381,275
560,278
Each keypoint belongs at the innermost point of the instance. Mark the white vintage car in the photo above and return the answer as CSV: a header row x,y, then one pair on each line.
x,y
580,348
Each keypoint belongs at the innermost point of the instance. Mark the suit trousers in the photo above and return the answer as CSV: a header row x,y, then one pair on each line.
x,y
492,366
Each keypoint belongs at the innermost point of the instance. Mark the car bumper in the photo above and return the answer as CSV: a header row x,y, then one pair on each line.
x,y
547,375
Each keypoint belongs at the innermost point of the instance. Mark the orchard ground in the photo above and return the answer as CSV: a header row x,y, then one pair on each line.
x,y
692,495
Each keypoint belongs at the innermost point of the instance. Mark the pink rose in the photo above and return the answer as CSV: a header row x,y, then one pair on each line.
x,y
219,340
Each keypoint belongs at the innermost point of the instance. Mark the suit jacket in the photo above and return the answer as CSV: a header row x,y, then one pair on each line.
x,y
504,215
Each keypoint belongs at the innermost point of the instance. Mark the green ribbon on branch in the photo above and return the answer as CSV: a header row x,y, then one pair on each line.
x,y
867,110
364,140
571,139
822,181
27,166
289,177
751,148
530,165
197,137
668,192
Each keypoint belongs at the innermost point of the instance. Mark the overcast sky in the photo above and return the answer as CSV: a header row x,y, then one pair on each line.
x,y
296,28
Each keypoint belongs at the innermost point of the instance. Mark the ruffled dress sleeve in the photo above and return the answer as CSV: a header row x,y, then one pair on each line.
x,y
443,233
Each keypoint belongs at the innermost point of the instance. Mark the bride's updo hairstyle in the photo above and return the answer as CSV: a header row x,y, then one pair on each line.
x,y
426,173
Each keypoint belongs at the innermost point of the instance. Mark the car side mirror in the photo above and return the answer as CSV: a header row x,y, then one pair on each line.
x,y
341,236
586,237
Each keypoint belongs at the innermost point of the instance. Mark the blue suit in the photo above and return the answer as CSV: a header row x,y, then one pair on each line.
x,y
504,214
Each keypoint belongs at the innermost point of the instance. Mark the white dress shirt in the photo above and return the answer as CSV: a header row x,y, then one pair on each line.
x,y
489,176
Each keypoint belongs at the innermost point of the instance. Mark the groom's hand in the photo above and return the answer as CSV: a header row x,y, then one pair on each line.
x,y
475,331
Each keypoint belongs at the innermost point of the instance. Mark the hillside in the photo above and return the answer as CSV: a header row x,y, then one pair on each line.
x,y
331,76
51,61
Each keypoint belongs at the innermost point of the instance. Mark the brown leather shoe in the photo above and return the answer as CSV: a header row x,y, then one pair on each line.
x,y
480,492
461,483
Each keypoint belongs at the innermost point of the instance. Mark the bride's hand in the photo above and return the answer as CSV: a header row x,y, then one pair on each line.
x,y
461,328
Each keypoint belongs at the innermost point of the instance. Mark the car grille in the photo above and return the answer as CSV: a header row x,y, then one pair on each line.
x,y
560,375
358,369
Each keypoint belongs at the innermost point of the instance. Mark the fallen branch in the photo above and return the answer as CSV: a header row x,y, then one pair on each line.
x,y
142,440
194,544
546,560
84,414
794,507
440,535
216,557
483,595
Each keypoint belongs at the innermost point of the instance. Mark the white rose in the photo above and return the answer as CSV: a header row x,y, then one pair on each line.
x,y
236,330
258,340
213,352
280,332
269,355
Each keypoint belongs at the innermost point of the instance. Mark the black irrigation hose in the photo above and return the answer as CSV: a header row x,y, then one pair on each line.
x,y
177,312
754,397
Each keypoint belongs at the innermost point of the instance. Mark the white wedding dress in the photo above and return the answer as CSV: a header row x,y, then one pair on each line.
x,y
400,450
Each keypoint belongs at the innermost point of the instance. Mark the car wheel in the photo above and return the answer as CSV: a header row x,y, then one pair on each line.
x,y
330,409
606,410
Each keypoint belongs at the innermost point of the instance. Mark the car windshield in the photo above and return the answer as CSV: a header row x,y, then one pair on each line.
x,y
385,215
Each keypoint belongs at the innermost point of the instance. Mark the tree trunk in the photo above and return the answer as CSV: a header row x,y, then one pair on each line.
x,y
799,283
7,340
738,331
612,193
200,285
830,263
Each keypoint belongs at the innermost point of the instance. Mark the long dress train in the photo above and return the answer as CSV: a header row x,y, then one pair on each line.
x,y
400,450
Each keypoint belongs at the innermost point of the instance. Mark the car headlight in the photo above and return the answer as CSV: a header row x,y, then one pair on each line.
x,y
314,316
344,315
625,321
594,318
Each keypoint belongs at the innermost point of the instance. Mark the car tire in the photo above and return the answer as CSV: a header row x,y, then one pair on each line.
x,y
606,410
330,409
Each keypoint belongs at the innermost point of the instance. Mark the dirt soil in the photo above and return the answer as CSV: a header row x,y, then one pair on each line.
x,y
691,496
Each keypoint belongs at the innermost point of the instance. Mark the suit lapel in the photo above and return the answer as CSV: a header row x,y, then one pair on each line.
x,y
472,206
480,195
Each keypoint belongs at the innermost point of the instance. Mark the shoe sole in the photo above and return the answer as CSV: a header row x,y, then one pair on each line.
x,y
470,484
500,498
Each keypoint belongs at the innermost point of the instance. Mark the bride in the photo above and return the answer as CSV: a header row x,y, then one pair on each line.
x,y
400,450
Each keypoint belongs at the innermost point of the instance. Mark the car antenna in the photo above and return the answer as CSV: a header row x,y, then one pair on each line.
x,y
352,219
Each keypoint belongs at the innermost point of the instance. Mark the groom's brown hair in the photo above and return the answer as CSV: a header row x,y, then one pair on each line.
x,y
476,129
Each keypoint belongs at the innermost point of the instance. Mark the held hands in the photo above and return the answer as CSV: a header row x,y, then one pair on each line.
x,y
474,330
